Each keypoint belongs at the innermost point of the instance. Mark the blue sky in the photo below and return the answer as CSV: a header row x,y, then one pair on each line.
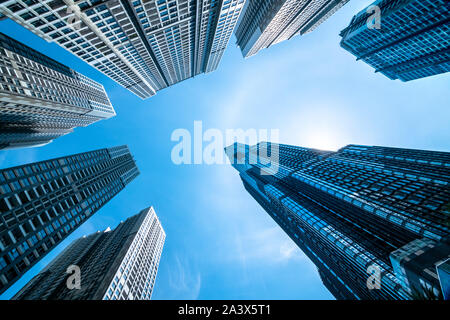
x,y
220,244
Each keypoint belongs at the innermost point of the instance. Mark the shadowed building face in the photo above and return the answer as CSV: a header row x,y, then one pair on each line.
x,y
268,22
411,42
42,203
118,264
42,99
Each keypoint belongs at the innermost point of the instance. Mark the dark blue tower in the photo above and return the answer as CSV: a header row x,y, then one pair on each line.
x,y
412,41
374,220
42,203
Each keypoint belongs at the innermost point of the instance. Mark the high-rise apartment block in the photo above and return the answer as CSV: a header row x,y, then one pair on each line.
x,y
144,45
42,99
402,39
268,22
113,265
374,220
42,203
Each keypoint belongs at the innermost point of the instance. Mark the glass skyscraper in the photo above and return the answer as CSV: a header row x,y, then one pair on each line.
x,y
374,220
144,45
412,43
42,99
42,203
268,22
114,265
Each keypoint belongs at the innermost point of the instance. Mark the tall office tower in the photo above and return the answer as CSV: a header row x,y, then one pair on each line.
x,y
374,220
42,99
268,22
119,264
42,203
411,43
144,45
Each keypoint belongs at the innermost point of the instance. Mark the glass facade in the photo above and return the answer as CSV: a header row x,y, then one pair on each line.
x,y
268,22
443,270
412,43
354,211
114,265
42,99
42,203
144,45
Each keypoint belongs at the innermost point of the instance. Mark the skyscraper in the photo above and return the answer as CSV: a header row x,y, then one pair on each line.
x,y
119,264
42,203
42,99
411,43
374,220
144,45
268,22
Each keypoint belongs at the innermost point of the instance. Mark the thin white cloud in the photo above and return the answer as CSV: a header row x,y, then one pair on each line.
x,y
268,246
183,281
